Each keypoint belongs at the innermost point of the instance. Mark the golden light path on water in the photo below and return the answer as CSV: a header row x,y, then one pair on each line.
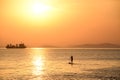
x,y
37,61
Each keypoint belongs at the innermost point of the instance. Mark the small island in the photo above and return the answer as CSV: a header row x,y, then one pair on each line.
x,y
21,45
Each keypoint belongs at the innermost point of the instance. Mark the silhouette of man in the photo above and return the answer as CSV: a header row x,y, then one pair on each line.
x,y
71,59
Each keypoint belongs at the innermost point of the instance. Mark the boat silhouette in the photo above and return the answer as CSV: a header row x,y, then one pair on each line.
x,y
21,45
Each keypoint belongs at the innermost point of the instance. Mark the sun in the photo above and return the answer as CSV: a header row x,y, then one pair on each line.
x,y
40,8
37,12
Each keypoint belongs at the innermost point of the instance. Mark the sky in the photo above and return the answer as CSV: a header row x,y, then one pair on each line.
x,y
59,22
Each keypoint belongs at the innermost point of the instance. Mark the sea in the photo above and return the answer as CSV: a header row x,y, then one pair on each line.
x,y
53,64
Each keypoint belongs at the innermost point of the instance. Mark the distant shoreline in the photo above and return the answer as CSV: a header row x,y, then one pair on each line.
x,y
58,48
88,46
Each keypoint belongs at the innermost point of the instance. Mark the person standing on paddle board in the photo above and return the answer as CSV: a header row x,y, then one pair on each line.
x,y
71,59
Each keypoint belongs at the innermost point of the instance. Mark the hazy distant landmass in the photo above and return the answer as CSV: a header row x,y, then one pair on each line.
x,y
103,45
49,46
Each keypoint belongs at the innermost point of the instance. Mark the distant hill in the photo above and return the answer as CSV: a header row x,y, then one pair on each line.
x,y
103,45
48,46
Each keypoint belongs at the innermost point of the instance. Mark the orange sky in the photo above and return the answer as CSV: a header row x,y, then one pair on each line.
x,y
59,22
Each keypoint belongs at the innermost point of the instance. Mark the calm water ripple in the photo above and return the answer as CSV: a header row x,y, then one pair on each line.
x,y
52,64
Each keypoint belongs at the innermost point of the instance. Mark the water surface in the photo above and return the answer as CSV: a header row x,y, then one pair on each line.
x,y
52,64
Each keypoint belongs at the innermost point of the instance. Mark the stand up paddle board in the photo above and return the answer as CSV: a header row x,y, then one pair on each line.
x,y
70,63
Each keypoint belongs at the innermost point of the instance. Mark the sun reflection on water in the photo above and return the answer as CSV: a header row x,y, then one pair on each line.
x,y
37,61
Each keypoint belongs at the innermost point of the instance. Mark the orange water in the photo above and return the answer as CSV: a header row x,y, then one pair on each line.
x,y
52,64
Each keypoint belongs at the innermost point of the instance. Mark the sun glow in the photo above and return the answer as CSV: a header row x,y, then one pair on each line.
x,y
38,66
38,12
37,61
40,9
